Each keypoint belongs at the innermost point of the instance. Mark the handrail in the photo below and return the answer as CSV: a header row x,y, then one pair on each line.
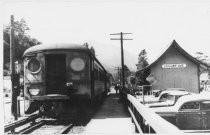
x,y
157,123
135,121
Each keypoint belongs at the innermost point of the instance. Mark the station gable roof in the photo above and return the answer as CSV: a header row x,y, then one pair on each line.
x,y
175,45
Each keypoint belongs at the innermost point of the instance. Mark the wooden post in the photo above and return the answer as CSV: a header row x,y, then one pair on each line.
x,y
122,54
143,94
122,61
12,70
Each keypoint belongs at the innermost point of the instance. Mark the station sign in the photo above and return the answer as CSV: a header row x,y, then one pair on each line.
x,y
174,66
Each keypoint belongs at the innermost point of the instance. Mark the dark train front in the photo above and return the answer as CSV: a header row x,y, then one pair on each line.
x,y
59,77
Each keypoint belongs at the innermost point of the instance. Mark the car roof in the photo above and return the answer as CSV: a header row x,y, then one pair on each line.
x,y
174,92
156,90
191,98
181,101
181,89
172,89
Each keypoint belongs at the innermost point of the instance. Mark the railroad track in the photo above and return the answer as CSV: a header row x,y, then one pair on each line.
x,y
49,127
36,125
30,119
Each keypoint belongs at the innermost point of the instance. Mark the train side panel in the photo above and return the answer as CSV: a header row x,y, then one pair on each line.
x,y
33,80
99,80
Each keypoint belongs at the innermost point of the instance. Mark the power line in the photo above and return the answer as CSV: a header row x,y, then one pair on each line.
x,y
120,39
120,33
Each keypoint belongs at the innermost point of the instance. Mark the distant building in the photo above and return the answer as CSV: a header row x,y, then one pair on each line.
x,y
175,68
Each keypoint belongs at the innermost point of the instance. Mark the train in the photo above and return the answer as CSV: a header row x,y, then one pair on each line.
x,y
60,77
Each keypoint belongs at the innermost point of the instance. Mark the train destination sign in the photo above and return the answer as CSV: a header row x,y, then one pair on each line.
x,y
174,66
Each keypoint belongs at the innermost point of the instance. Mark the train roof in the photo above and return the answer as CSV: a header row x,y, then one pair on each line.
x,y
45,47
59,46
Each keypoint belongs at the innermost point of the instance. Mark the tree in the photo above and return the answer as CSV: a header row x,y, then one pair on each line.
x,y
142,60
141,75
127,72
118,75
202,57
22,41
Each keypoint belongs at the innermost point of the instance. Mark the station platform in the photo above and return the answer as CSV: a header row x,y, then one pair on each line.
x,y
111,118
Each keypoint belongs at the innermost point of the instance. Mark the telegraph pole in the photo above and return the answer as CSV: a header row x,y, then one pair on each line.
x,y
12,70
122,53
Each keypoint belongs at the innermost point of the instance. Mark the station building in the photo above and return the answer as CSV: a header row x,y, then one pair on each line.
x,y
175,68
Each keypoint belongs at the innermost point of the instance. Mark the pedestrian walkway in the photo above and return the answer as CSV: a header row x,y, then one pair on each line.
x,y
111,118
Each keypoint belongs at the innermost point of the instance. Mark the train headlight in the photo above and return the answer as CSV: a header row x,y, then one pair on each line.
x,y
34,92
34,66
77,64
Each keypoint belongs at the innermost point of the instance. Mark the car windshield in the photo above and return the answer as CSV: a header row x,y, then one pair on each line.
x,y
167,97
170,97
158,93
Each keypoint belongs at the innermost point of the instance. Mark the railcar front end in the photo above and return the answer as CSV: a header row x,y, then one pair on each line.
x,y
57,79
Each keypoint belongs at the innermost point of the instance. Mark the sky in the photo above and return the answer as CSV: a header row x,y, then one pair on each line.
x,y
153,24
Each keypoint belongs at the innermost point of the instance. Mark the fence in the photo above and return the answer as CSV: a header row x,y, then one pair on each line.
x,y
146,121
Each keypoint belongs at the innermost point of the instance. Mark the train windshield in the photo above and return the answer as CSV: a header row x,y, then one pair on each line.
x,y
55,73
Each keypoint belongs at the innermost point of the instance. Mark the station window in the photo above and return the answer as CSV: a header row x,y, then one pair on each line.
x,y
98,73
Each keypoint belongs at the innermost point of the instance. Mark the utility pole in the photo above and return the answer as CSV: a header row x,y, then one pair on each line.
x,y
12,70
122,53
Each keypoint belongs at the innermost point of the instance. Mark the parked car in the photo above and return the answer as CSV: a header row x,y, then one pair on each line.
x,y
190,112
159,97
168,98
176,89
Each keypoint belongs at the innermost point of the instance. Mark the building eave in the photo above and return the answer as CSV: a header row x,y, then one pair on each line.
x,y
175,45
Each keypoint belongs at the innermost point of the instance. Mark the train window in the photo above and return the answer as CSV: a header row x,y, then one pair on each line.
x,y
77,64
34,66
95,73
101,76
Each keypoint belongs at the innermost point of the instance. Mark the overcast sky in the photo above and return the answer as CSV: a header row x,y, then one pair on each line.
x,y
154,25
